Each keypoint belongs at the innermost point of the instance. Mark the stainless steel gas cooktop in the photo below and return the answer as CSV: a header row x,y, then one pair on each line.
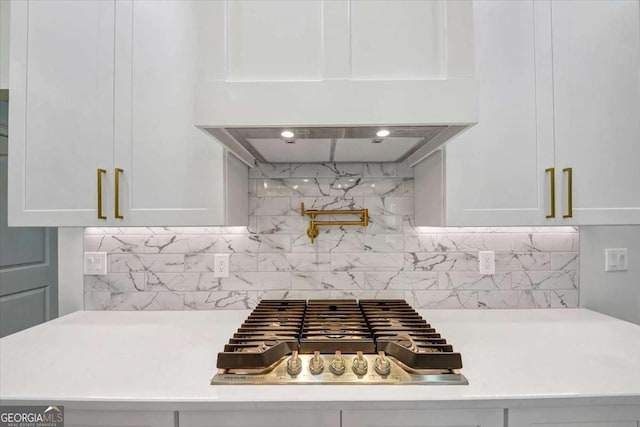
x,y
337,342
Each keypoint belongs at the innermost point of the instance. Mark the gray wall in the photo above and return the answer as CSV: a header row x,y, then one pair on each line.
x,y
614,293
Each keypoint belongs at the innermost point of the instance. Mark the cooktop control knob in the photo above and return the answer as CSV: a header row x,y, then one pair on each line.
x,y
337,364
382,364
316,365
360,365
294,364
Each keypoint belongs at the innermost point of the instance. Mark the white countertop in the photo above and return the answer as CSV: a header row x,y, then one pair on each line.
x,y
168,358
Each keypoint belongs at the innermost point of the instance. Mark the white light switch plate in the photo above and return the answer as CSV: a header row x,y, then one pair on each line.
x,y
95,263
487,261
221,265
616,259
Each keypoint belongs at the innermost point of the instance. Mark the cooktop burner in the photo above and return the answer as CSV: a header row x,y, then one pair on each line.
x,y
337,342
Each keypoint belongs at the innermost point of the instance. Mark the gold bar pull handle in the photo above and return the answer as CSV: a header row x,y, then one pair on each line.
x,y
100,173
552,180
118,171
569,172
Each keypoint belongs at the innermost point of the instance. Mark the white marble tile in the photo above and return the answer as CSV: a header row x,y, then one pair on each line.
x,y
331,241
115,282
287,224
379,224
284,187
325,203
327,280
254,243
253,281
389,205
162,282
364,261
440,261
320,261
118,243
401,280
463,280
269,206
545,242
383,242
133,301
216,300
293,294
498,299
443,299
457,242
125,263
253,191
564,298
270,170
529,298
273,257
381,169
513,261
381,187
544,279
566,261
368,294
206,262
180,243
328,170
96,300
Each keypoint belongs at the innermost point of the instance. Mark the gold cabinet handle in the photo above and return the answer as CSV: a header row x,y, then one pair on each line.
x,y
118,171
552,180
569,172
100,173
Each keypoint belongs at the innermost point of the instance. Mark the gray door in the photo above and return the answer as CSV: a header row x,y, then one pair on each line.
x,y
28,262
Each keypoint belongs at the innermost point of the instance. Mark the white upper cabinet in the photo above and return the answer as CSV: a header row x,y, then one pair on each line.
x,y
105,85
61,111
596,65
172,171
495,171
559,98
337,63
4,44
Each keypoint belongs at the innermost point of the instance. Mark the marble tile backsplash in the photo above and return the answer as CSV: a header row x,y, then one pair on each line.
x,y
156,268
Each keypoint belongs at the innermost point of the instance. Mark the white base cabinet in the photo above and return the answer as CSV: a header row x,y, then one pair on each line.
x,y
424,418
297,418
75,418
598,416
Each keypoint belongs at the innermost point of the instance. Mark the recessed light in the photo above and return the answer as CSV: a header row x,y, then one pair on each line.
x,y
382,133
287,134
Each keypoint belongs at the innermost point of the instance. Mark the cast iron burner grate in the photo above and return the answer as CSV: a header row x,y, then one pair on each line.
x,y
278,328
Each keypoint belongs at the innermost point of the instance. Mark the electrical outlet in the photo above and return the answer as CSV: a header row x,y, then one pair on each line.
x,y
221,265
95,263
616,259
487,261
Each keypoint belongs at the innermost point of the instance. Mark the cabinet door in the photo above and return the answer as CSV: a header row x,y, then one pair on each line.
x,y
61,110
495,171
602,416
424,418
4,45
325,418
596,63
173,172
118,419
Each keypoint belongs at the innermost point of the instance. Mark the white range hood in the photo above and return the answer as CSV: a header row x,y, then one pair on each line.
x,y
334,74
